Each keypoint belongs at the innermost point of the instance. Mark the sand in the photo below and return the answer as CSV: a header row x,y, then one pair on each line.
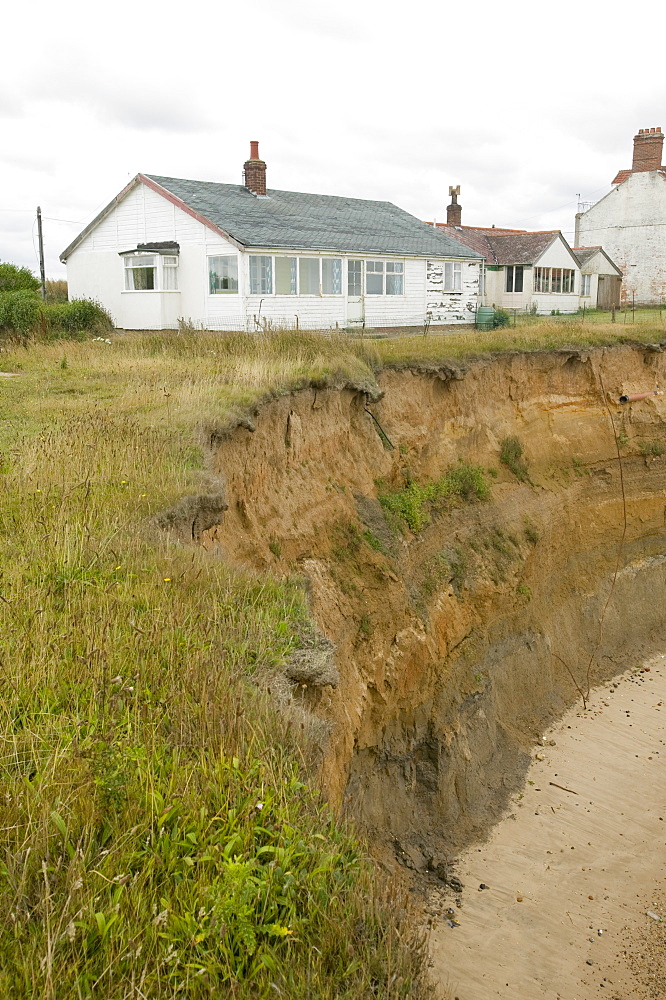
x,y
565,865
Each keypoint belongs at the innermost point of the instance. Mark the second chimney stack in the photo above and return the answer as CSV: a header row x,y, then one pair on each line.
x,y
255,171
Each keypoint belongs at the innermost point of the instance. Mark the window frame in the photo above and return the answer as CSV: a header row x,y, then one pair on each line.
x,y
515,275
295,266
452,276
585,285
158,266
564,277
223,291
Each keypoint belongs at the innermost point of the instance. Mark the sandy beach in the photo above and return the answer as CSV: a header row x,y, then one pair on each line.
x,y
574,867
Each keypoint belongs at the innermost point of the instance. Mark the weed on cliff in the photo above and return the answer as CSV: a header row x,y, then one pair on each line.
x,y
511,455
413,506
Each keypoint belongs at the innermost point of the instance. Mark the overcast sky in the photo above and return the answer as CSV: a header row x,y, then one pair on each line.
x,y
525,105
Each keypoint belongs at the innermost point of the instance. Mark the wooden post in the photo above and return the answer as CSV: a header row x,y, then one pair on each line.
x,y
40,238
613,312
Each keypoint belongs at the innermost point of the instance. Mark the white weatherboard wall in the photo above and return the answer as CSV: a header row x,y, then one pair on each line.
x,y
452,307
630,224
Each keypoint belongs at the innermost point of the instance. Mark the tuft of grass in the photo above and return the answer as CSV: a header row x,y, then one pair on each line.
x,y
414,504
651,448
511,455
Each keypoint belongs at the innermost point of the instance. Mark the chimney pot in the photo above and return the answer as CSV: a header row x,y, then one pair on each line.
x,y
255,171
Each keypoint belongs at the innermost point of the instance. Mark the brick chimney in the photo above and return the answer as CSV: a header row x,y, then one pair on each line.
x,y
254,171
454,210
647,149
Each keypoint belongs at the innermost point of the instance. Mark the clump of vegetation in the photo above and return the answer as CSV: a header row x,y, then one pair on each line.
x,y
511,455
23,313
414,504
651,449
501,319
531,533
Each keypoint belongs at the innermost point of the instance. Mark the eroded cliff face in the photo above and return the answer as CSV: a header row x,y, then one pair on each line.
x,y
455,647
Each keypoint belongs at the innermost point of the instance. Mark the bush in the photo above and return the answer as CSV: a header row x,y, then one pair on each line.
x,y
17,279
501,318
19,311
24,312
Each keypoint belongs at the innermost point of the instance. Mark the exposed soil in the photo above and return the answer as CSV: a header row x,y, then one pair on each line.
x,y
454,648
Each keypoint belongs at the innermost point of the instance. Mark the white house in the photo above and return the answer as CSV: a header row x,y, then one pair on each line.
x,y
228,256
630,222
600,278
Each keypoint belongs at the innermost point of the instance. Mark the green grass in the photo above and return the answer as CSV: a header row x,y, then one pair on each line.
x,y
161,834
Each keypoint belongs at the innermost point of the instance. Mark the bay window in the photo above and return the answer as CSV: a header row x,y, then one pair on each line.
x,y
146,272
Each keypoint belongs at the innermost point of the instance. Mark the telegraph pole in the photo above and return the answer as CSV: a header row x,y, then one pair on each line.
x,y
41,251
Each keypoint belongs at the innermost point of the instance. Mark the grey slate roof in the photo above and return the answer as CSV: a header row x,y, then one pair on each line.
x,y
291,220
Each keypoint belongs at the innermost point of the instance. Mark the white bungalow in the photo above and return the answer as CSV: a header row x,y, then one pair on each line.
x,y
228,256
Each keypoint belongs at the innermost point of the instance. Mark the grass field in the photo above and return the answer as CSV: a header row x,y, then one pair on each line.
x,y
160,833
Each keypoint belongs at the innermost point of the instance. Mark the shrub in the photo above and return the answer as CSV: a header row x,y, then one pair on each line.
x,y
501,318
414,503
511,455
17,279
19,311
24,312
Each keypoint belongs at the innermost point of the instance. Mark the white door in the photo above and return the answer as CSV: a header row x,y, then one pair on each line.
x,y
355,301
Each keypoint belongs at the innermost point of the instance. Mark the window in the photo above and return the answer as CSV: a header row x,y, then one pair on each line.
x,y
261,275
452,276
585,284
308,275
383,277
222,275
285,275
150,271
140,273
170,274
374,277
354,278
514,278
554,279
394,278
331,276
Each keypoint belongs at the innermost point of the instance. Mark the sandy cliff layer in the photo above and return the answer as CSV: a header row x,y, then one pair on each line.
x,y
451,644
